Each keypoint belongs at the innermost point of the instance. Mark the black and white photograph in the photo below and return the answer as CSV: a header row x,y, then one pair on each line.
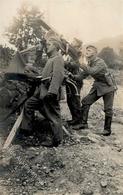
x,y
61,97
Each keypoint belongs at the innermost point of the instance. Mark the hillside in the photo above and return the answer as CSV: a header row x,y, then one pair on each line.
x,y
85,164
114,42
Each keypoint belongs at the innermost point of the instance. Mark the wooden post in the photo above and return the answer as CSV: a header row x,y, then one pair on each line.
x,y
13,131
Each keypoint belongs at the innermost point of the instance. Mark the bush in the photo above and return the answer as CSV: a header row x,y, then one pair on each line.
x,y
111,58
5,56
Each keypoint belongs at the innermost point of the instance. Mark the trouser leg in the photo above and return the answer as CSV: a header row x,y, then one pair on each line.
x,y
108,109
86,103
52,113
74,104
108,103
69,102
30,106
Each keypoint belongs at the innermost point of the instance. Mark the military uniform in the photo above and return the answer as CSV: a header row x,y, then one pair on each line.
x,y
103,86
46,98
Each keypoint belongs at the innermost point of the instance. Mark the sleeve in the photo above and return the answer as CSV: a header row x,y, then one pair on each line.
x,y
58,75
80,76
97,68
72,64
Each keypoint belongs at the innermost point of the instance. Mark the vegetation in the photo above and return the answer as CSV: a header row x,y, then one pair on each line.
x,y
111,58
26,28
5,56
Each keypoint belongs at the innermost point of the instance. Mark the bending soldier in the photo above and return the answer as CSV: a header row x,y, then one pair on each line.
x,y
46,97
104,86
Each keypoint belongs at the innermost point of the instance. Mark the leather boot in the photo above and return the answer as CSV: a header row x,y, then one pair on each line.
x,y
74,122
47,143
70,121
83,124
107,126
51,143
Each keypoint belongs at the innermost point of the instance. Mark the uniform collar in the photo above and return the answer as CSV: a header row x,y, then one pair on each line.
x,y
53,55
90,62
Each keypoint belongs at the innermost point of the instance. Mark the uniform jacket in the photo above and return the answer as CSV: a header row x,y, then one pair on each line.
x,y
71,64
54,68
104,81
74,67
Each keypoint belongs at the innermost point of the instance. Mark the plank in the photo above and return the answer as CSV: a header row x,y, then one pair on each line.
x,y
13,131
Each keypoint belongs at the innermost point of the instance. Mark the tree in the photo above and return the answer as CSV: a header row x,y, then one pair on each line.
x,y
121,50
111,58
26,27
108,55
5,56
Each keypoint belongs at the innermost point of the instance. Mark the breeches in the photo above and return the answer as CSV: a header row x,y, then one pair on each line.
x,y
107,99
49,108
74,105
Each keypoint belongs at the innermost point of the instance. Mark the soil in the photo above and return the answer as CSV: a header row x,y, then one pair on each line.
x,y
86,163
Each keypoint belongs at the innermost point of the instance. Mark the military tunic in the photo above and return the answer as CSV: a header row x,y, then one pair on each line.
x,y
104,85
104,81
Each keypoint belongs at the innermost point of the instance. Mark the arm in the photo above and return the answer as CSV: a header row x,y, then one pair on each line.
x,y
80,76
71,64
58,75
97,68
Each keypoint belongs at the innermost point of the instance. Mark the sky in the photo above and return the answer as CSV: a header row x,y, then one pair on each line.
x,y
88,20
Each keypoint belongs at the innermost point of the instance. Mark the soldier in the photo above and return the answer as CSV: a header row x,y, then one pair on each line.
x,y
46,97
73,101
104,86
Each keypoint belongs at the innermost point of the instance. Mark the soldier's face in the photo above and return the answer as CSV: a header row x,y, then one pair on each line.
x,y
90,52
50,47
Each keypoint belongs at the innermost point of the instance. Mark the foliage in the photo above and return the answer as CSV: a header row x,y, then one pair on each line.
x,y
111,58
5,56
26,27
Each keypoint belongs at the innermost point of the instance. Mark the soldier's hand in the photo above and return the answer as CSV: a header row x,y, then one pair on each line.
x,y
83,62
81,59
51,96
66,58
70,75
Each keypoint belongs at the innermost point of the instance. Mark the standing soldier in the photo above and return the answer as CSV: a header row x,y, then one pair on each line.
x,y
73,100
46,98
104,86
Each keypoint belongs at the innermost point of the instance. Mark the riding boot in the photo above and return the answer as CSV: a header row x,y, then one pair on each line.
x,y
107,126
84,119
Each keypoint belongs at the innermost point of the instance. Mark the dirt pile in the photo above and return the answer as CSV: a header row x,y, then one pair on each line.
x,y
82,168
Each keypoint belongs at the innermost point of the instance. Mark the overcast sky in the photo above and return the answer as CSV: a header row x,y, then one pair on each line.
x,y
89,20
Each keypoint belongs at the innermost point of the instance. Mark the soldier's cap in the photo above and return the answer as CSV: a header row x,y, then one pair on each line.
x,y
92,47
56,41
50,34
53,37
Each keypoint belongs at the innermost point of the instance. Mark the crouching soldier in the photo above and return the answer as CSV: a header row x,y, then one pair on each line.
x,y
46,97
104,86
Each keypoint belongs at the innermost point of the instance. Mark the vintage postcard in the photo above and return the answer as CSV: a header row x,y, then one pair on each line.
x,y
61,91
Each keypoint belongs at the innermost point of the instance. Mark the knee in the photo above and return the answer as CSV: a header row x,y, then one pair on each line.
x,y
109,112
85,103
26,106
